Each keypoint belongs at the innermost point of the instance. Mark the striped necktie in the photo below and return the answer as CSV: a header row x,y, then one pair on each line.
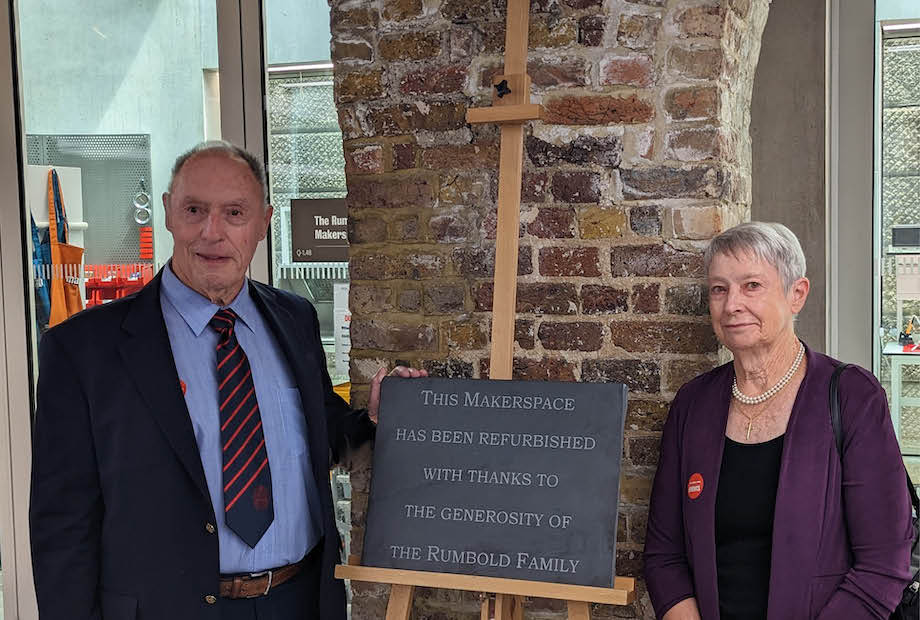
x,y
247,478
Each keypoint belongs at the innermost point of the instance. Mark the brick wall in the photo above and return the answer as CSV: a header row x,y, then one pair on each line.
x,y
643,156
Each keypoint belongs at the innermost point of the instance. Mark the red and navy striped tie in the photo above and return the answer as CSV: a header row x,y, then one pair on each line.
x,y
247,478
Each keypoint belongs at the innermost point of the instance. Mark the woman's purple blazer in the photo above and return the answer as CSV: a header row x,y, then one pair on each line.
x,y
841,534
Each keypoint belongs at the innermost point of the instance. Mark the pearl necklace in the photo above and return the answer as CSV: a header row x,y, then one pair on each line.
x,y
755,400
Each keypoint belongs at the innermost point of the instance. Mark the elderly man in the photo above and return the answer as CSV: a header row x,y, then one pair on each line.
x,y
183,435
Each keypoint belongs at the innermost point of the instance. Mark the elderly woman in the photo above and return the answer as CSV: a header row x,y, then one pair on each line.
x,y
753,513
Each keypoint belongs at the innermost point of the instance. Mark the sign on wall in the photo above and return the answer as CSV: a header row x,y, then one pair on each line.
x,y
513,479
319,230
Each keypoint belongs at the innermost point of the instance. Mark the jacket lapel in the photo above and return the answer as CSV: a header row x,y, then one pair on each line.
x,y
148,361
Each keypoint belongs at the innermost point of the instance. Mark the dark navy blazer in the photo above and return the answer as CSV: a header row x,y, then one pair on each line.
x,y
841,535
120,506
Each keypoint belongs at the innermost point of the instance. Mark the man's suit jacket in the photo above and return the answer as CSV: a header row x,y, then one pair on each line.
x,y
841,530
120,510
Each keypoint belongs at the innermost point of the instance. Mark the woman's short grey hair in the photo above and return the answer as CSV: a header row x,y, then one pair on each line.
x,y
222,147
770,242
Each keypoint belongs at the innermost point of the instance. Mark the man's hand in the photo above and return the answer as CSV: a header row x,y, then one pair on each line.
x,y
405,372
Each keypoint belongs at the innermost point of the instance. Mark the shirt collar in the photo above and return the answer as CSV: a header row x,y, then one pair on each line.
x,y
196,310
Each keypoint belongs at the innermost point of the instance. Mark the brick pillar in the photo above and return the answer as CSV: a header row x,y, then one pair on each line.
x,y
643,157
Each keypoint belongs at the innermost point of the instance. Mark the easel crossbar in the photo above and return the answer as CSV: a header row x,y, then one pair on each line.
x,y
622,593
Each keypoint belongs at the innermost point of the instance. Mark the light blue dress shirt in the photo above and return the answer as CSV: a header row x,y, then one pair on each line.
x,y
294,530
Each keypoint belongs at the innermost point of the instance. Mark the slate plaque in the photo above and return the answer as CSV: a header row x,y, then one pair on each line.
x,y
516,479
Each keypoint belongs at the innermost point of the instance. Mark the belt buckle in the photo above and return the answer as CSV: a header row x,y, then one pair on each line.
x,y
268,586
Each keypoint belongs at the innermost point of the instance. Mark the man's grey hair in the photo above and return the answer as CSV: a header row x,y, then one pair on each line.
x,y
222,147
771,242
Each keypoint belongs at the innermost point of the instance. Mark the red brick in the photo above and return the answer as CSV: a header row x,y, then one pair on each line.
x,y
578,186
400,10
656,260
577,336
691,104
542,35
405,156
534,186
628,71
666,182
391,192
479,262
644,449
409,266
368,229
663,337
409,300
364,159
702,21
686,299
569,262
591,30
605,151
355,18
406,118
597,299
466,335
524,334
546,369
451,227
646,415
638,31
646,298
449,369
410,46
404,228
352,50
700,64
434,80
466,10
464,156
645,220
533,298
387,335
598,110
444,298
678,372
357,85
638,375
553,223
367,298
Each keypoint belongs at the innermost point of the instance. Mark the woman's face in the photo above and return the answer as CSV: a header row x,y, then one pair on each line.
x,y
748,304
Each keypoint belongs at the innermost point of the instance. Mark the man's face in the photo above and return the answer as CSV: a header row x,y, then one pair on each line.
x,y
217,216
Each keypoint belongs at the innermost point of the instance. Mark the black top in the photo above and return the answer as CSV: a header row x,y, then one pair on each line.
x,y
745,502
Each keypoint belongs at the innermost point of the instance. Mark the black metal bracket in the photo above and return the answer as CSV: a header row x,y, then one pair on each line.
x,y
501,89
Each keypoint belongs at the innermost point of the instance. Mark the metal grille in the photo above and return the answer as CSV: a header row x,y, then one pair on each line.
x,y
112,169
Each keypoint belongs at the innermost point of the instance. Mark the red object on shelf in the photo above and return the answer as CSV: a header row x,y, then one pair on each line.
x,y
145,243
114,281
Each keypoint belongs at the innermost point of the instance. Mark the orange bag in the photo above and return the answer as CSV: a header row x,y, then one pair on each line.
x,y
66,259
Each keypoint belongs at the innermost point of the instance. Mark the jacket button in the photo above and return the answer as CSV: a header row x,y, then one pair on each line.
x,y
210,599
210,528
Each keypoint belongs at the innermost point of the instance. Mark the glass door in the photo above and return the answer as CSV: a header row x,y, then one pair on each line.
x,y
898,224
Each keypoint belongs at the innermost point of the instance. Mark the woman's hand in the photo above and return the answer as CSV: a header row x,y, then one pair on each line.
x,y
406,372
684,610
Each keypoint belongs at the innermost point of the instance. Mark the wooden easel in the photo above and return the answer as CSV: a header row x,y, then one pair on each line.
x,y
511,109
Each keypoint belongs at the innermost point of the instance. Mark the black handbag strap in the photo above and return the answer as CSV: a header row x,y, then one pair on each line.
x,y
835,408
838,431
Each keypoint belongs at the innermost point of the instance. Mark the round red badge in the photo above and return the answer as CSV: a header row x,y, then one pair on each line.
x,y
694,486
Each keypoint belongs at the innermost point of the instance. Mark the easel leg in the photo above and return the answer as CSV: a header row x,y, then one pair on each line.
x,y
579,610
502,607
400,602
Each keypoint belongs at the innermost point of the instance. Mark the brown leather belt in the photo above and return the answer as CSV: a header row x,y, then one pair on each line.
x,y
258,584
